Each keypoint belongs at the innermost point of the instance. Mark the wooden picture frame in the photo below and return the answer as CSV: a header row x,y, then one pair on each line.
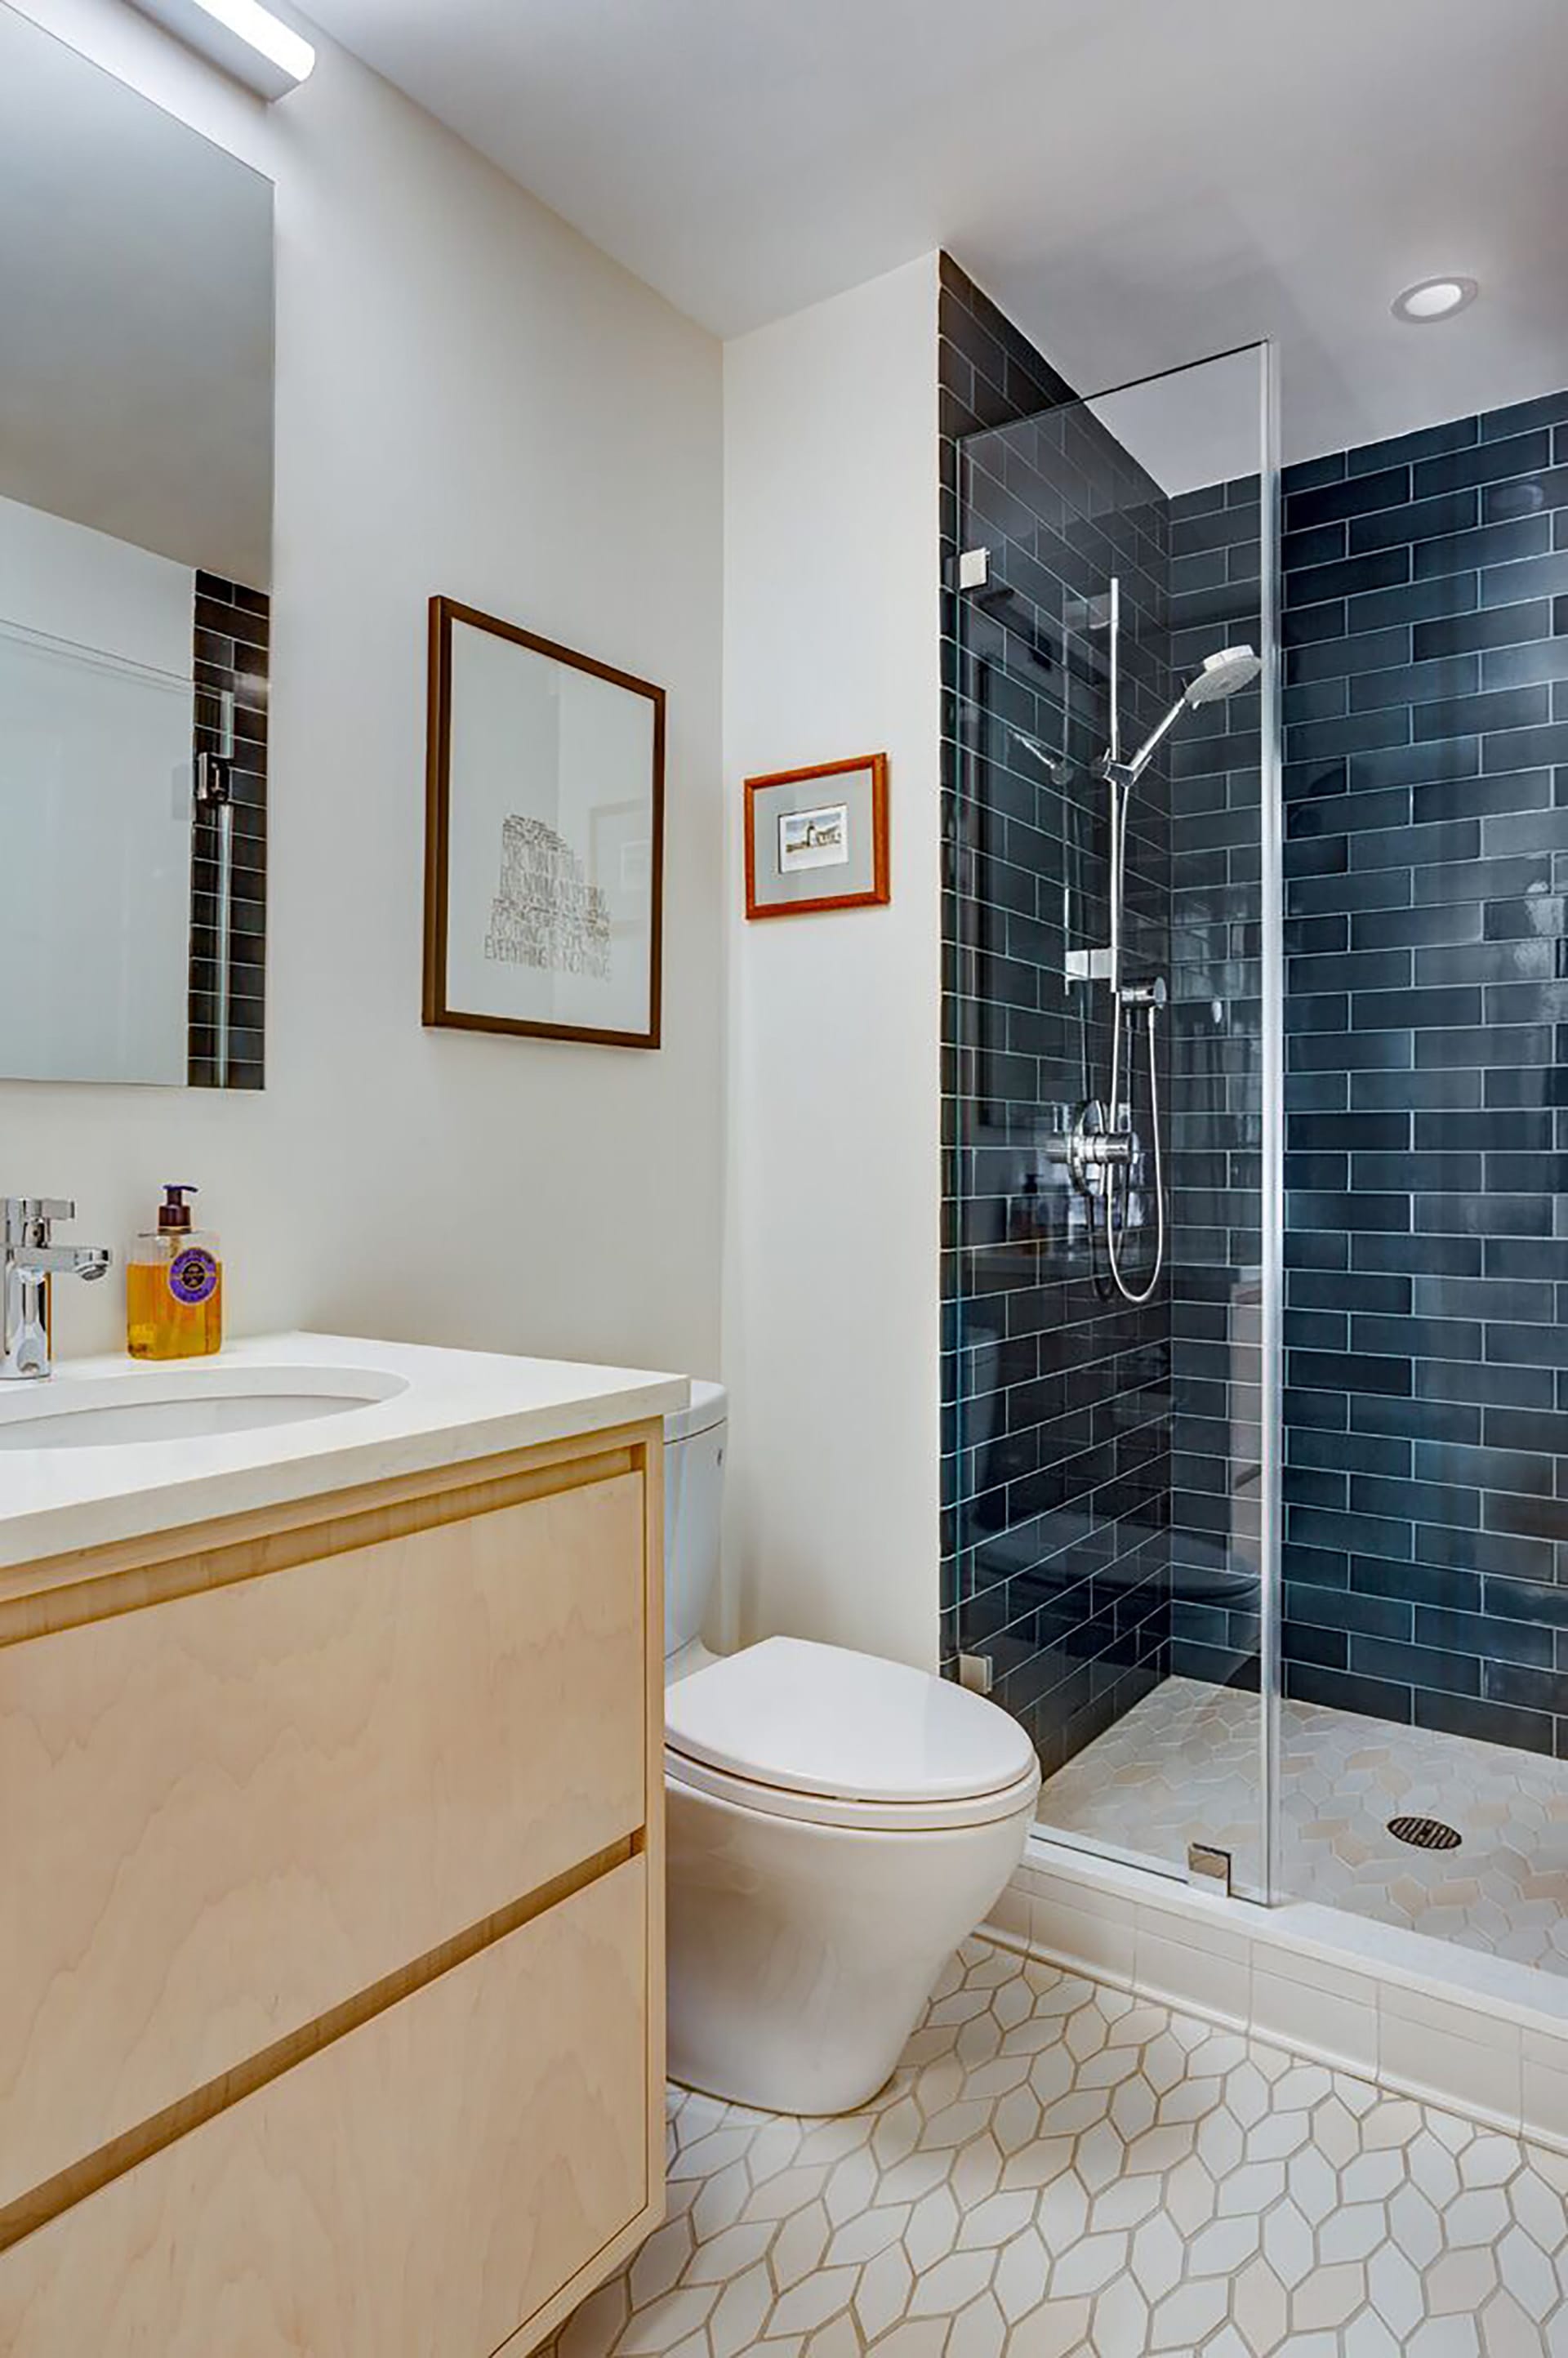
x,y
814,831
562,968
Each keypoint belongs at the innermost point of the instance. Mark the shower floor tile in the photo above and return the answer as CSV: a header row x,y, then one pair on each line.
x,y
1057,2171
1183,1765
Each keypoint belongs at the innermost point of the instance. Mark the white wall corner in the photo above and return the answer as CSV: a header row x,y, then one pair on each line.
x,y
831,1310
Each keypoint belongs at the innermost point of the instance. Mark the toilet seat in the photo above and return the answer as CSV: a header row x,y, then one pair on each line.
x,y
866,1817
791,1729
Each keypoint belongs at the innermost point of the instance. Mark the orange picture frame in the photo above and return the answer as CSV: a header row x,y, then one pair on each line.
x,y
761,790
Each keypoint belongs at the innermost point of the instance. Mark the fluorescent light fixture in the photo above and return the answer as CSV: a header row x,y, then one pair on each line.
x,y
242,37
1433,299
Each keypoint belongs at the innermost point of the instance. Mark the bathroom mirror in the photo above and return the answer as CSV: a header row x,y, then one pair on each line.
x,y
135,531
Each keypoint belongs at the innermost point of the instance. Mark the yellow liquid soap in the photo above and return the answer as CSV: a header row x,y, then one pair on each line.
x,y
168,1314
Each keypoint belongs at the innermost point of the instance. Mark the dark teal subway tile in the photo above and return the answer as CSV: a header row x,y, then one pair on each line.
x,y
1491,1384
1497,546
1523,416
1476,1299
1493,626
1415,764
1413,683
1390,486
1510,576
1349,970
1426,442
1517,666
1523,1131
1540,917
1305,474
1517,710
1525,495
1419,1255
1486,1723
1307,625
1329,1208
1518,1044
1364,1132
1342,1371
1443,842
1417,1419
1485,462
1446,1168
1359,733
1441,1010
1352,1051
1524,748
1384,569
1483,1469
1451,924
1450,1508
1484,797
1338,657
1447,593
1484,1215
1449,512
1420,1338
1525,1002
1491,878
1530,1346
1417,1580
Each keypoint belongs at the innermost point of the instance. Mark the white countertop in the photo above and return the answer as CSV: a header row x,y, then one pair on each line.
x,y
444,1408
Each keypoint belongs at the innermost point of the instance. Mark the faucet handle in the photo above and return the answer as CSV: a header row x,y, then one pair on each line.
x,y
23,1217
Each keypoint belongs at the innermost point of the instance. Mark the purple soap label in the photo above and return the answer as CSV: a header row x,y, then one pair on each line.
x,y
192,1275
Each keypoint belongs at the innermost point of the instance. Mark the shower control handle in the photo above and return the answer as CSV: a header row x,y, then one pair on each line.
x,y
1154,993
1091,1148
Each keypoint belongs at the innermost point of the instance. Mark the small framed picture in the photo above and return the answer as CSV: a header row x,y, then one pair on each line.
x,y
817,838
545,843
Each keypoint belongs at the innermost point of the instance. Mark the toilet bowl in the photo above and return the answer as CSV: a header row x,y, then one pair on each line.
x,y
836,1825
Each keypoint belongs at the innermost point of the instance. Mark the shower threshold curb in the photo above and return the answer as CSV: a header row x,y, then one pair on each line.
x,y
1422,2017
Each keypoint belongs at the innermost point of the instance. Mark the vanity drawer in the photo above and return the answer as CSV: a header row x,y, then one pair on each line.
x,y
418,2190
232,1811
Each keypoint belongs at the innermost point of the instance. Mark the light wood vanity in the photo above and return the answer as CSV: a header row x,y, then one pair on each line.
x,y
330,1941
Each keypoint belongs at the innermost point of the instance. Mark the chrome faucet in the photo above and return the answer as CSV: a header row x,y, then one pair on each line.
x,y
28,1259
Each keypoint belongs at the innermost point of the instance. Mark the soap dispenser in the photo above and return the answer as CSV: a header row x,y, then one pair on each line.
x,y
174,1286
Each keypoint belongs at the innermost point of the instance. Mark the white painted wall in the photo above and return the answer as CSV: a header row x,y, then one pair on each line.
x,y
471,399
831,1313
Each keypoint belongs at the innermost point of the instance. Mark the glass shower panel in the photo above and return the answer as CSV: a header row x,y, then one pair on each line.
x,y
1114,1117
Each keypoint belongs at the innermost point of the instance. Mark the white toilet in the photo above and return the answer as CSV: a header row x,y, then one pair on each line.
x,y
837,1824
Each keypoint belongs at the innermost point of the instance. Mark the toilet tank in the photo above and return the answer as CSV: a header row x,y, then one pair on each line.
x,y
694,1489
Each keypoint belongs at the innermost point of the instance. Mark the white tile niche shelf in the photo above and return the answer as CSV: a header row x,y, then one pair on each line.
x,y
1418,2016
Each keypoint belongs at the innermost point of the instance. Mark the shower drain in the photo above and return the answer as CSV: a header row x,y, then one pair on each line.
x,y
1424,1833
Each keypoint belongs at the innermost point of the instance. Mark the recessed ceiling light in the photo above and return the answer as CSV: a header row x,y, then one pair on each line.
x,y
1433,299
246,39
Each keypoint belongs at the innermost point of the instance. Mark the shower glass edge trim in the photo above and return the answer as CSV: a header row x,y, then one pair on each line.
x,y
1272,1188
1230,1641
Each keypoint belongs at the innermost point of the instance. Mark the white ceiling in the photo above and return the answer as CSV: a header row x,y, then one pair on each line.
x,y
1138,181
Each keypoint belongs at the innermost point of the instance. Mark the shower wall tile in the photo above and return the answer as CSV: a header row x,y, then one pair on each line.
x,y
232,640
1056,1393
1426,1480
1216,1102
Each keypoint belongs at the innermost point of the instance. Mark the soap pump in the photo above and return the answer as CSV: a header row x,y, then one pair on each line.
x,y
174,1286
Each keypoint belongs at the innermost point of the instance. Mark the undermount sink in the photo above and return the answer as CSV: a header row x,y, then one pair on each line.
x,y
188,1404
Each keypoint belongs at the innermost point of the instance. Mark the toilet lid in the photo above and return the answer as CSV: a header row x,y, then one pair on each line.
x,y
820,1719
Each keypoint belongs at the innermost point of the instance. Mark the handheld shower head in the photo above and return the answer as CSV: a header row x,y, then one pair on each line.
x,y
1221,676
